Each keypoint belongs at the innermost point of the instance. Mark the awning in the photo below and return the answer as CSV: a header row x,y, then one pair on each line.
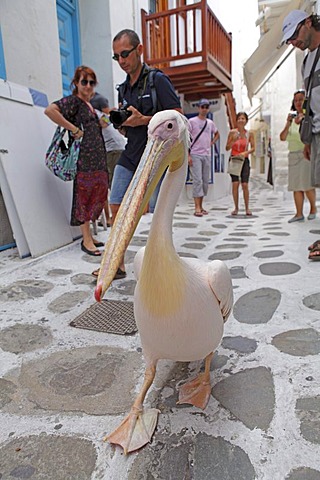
x,y
266,57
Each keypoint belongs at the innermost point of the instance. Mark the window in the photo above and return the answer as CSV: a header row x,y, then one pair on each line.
x,y
152,6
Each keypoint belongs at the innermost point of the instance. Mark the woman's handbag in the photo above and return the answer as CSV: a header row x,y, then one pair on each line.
x,y
62,160
235,165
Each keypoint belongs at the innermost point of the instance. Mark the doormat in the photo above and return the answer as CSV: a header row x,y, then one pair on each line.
x,y
109,316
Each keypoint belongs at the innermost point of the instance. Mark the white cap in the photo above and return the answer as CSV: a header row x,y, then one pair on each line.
x,y
291,22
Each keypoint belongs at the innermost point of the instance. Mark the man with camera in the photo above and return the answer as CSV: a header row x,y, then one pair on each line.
x,y
302,30
135,112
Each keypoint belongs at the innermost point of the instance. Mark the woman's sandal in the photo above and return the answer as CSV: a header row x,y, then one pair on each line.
x,y
93,253
96,243
234,212
204,212
314,245
198,214
315,254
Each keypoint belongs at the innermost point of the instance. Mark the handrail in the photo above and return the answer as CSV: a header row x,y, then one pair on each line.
x,y
190,32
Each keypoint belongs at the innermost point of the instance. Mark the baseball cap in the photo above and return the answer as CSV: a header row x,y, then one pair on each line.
x,y
291,22
204,101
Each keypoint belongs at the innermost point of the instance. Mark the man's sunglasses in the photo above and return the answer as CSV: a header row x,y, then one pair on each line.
x,y
205,106
85,82
124,54
296,33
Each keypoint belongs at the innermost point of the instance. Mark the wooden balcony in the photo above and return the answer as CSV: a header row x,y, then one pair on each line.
x,y
190,45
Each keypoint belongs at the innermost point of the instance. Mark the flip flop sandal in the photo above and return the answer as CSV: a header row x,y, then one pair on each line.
x,y
119,274
198,214
314,245
315,254
204,212
234,212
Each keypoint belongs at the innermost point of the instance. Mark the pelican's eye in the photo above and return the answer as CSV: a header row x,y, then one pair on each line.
x,y
170,126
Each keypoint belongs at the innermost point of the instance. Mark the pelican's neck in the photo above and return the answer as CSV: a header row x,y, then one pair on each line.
x,y
162,275
161,227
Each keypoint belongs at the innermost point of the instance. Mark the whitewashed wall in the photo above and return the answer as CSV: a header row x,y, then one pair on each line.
x,y
31,44
95,41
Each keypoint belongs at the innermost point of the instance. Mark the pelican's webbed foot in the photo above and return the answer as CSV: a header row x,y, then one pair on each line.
x,y
135,430
196,392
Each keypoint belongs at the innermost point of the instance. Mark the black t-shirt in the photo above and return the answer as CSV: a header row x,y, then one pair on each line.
x,y
167,99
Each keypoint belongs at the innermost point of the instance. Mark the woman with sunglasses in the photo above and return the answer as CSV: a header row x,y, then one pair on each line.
x,y
299,170
76,114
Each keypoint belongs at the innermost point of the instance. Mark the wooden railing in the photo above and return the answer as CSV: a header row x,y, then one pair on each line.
x,y
184,35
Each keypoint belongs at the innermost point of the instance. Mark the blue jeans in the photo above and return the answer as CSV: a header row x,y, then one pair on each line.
x,y
154,196
120,182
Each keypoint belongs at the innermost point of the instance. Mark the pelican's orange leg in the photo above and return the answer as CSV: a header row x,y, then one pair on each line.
x,y
197,391
137,428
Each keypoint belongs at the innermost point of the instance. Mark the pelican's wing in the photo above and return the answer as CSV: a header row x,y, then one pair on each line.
x,y
220,283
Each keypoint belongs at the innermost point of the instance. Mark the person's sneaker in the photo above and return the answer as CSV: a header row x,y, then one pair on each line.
x,y
120,274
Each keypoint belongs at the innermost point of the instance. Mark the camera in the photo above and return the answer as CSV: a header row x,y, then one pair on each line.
x,y
117,117
293,114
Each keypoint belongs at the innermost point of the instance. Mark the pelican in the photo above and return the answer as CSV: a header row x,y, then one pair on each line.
x,y
180,304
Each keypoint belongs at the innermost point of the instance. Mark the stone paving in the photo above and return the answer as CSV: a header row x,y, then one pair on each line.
x,y
62,389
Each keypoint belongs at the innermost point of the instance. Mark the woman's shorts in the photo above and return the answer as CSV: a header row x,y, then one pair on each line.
x,y
245,173
120,182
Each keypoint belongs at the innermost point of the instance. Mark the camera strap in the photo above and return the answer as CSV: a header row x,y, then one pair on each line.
x,y
146,78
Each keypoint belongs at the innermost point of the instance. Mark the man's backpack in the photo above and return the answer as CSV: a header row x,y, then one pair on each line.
x,y
148,76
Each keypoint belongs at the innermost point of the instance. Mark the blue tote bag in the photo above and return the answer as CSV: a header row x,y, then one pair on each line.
x,y
62,160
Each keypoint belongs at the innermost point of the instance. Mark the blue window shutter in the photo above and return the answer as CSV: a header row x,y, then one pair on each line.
x,y
68,28
2,62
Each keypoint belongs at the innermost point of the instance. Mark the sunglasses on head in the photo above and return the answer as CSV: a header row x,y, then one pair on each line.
x,y
204,106
296,33
124,54
84,82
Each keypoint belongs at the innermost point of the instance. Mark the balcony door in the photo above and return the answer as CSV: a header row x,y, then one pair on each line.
x,y
160,45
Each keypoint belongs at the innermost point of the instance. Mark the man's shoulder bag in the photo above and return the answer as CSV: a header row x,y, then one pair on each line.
x,y
305,129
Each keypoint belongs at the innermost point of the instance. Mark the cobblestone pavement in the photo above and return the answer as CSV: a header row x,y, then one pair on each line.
x,y
63,388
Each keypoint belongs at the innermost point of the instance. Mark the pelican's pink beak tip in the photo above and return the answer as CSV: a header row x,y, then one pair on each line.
x,y
97,292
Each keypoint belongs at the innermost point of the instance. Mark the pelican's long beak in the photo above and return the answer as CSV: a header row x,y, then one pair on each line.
x,y
158,155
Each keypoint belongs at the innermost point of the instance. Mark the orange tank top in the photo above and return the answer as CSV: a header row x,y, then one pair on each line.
x,y
240,145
